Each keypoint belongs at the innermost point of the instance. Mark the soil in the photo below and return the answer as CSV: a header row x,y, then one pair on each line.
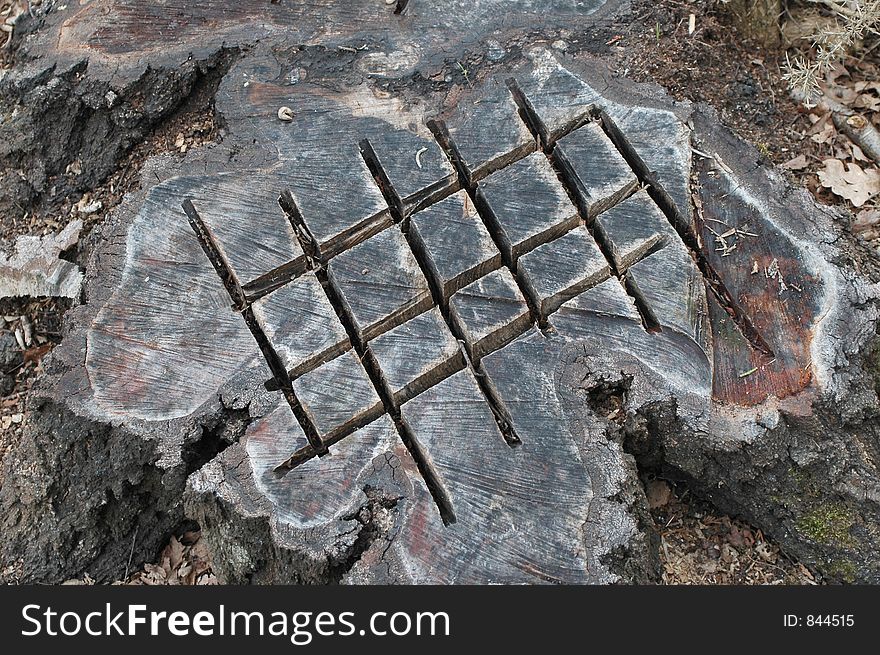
x,y
714,65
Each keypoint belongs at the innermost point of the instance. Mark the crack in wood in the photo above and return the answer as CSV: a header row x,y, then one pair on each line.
x,y
566,176
374,372
685,231
276,366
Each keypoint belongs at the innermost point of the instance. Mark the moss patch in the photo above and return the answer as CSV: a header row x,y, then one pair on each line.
x,y
842,570
828,524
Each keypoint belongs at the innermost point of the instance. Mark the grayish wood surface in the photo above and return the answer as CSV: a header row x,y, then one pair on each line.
x,y
528,204
657,136
461,249
490,134
564,268
490,311
381,282
607,298
336,194
602,175
509,528
635,228
323,488
416,166
338,395
417,354
302,325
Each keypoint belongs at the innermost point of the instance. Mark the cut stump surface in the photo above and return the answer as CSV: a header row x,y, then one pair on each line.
x,y
423,331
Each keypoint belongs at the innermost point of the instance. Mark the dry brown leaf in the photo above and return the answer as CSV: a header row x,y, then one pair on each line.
x,y
850,182
765,552
866,85
174,552
825,134
797,164
869,102
658,493
867,224
858,154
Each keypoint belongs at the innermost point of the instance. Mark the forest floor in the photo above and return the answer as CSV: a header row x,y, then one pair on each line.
x,y
712,64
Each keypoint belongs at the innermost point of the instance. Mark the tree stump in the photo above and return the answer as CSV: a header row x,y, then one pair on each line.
x,y
757,19
430,328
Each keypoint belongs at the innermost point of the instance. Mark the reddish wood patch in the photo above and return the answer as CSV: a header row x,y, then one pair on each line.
x,y
770,283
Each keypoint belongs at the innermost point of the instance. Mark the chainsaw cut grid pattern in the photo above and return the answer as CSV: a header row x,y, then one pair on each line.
x,y
422,290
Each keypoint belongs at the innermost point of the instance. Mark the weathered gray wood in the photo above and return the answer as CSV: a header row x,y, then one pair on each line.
x,y
607,298
172,375
321,489
416,167
681,362
119,40
338,396
417,354
381,283
490,312
527,204
633,229
648,249
250,230
490,135
302,325
170,359
35,269
460,248
564,268
672,287
657,136
602,175
336,195
662,143
515,515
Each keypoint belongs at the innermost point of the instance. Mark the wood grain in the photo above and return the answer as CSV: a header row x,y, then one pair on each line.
x,y
526,205
461,249
322,489
381,283
517,517
302,325
490,312
490,134
338,396
417,355
602,175
562,269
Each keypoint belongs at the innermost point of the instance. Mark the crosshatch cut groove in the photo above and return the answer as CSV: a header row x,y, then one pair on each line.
x,y
335,296
548,141
664,202
441,300
447,144
661,198
276,367
317,256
